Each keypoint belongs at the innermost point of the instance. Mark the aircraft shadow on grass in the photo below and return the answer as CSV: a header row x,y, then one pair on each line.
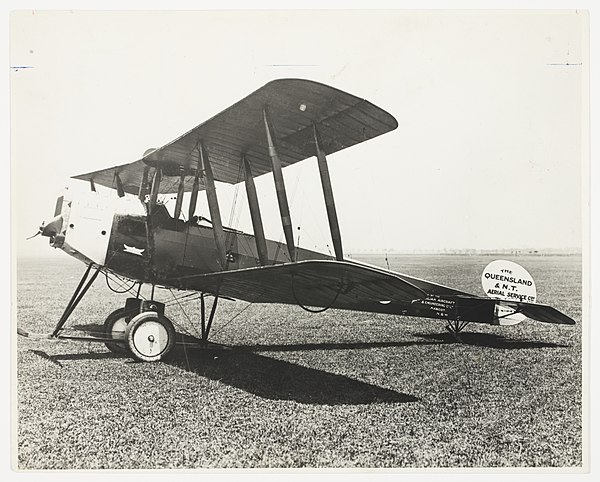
x,y
264,376
244,368
488,340
56,359
282,380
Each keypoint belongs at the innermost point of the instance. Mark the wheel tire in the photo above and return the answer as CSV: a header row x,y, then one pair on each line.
x,y
114,327
150,337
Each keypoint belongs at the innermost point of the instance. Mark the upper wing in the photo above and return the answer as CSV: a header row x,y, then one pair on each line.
x,y
336,284
342,120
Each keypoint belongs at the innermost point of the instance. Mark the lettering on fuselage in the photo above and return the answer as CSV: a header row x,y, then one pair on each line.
x,y
438,307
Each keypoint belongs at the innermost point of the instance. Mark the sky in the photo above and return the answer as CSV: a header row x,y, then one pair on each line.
x,y
490,105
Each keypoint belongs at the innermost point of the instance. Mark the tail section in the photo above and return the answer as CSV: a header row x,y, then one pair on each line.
x,y
515,290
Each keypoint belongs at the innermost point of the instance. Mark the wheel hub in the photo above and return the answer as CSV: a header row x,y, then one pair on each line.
x,y
150,338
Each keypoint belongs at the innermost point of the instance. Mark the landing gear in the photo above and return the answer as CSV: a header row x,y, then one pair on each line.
x,y
116,323
150,337
455,327
114,327
141,330
205,323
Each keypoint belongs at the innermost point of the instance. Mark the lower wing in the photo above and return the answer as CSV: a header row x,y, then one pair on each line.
x,y
323,283
351,286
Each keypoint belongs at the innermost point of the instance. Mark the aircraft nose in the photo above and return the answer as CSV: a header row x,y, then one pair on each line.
x,y
53,228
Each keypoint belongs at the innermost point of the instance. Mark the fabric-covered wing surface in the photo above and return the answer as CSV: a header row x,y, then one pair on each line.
x,y
342,120
351,286
311,283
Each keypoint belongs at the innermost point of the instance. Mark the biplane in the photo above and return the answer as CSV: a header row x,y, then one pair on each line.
x,y
284,122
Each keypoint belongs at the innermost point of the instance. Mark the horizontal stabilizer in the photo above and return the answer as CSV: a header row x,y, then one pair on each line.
x,y
544,313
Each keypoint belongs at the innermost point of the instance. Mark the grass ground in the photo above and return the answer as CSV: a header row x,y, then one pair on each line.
x,y
339,389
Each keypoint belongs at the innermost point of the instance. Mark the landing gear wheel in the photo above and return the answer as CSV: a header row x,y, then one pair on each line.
x,y
114,327
150,337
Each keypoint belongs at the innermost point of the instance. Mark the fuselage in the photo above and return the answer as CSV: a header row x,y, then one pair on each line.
x,y
153,247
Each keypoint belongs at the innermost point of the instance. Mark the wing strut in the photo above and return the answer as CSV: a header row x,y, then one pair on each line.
x,y
284,209
257,225
120,190
155,188
194,195
180,191
144,185
213,205
334,227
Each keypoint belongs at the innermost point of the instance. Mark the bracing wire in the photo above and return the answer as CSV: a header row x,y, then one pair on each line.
x,y
232,211
257,300
236,221
187,361
235,316
186,315
187,297
236,190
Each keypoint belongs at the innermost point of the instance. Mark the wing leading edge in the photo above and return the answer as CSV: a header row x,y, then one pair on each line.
x,y
342,120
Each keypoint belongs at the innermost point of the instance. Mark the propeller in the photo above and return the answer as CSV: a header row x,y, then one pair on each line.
x,y
51,229
38,233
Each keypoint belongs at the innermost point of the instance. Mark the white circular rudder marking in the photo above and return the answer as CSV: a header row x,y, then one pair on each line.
x,y
509,281
505,280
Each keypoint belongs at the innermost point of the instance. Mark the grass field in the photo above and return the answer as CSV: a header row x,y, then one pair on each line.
x,y
339,389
